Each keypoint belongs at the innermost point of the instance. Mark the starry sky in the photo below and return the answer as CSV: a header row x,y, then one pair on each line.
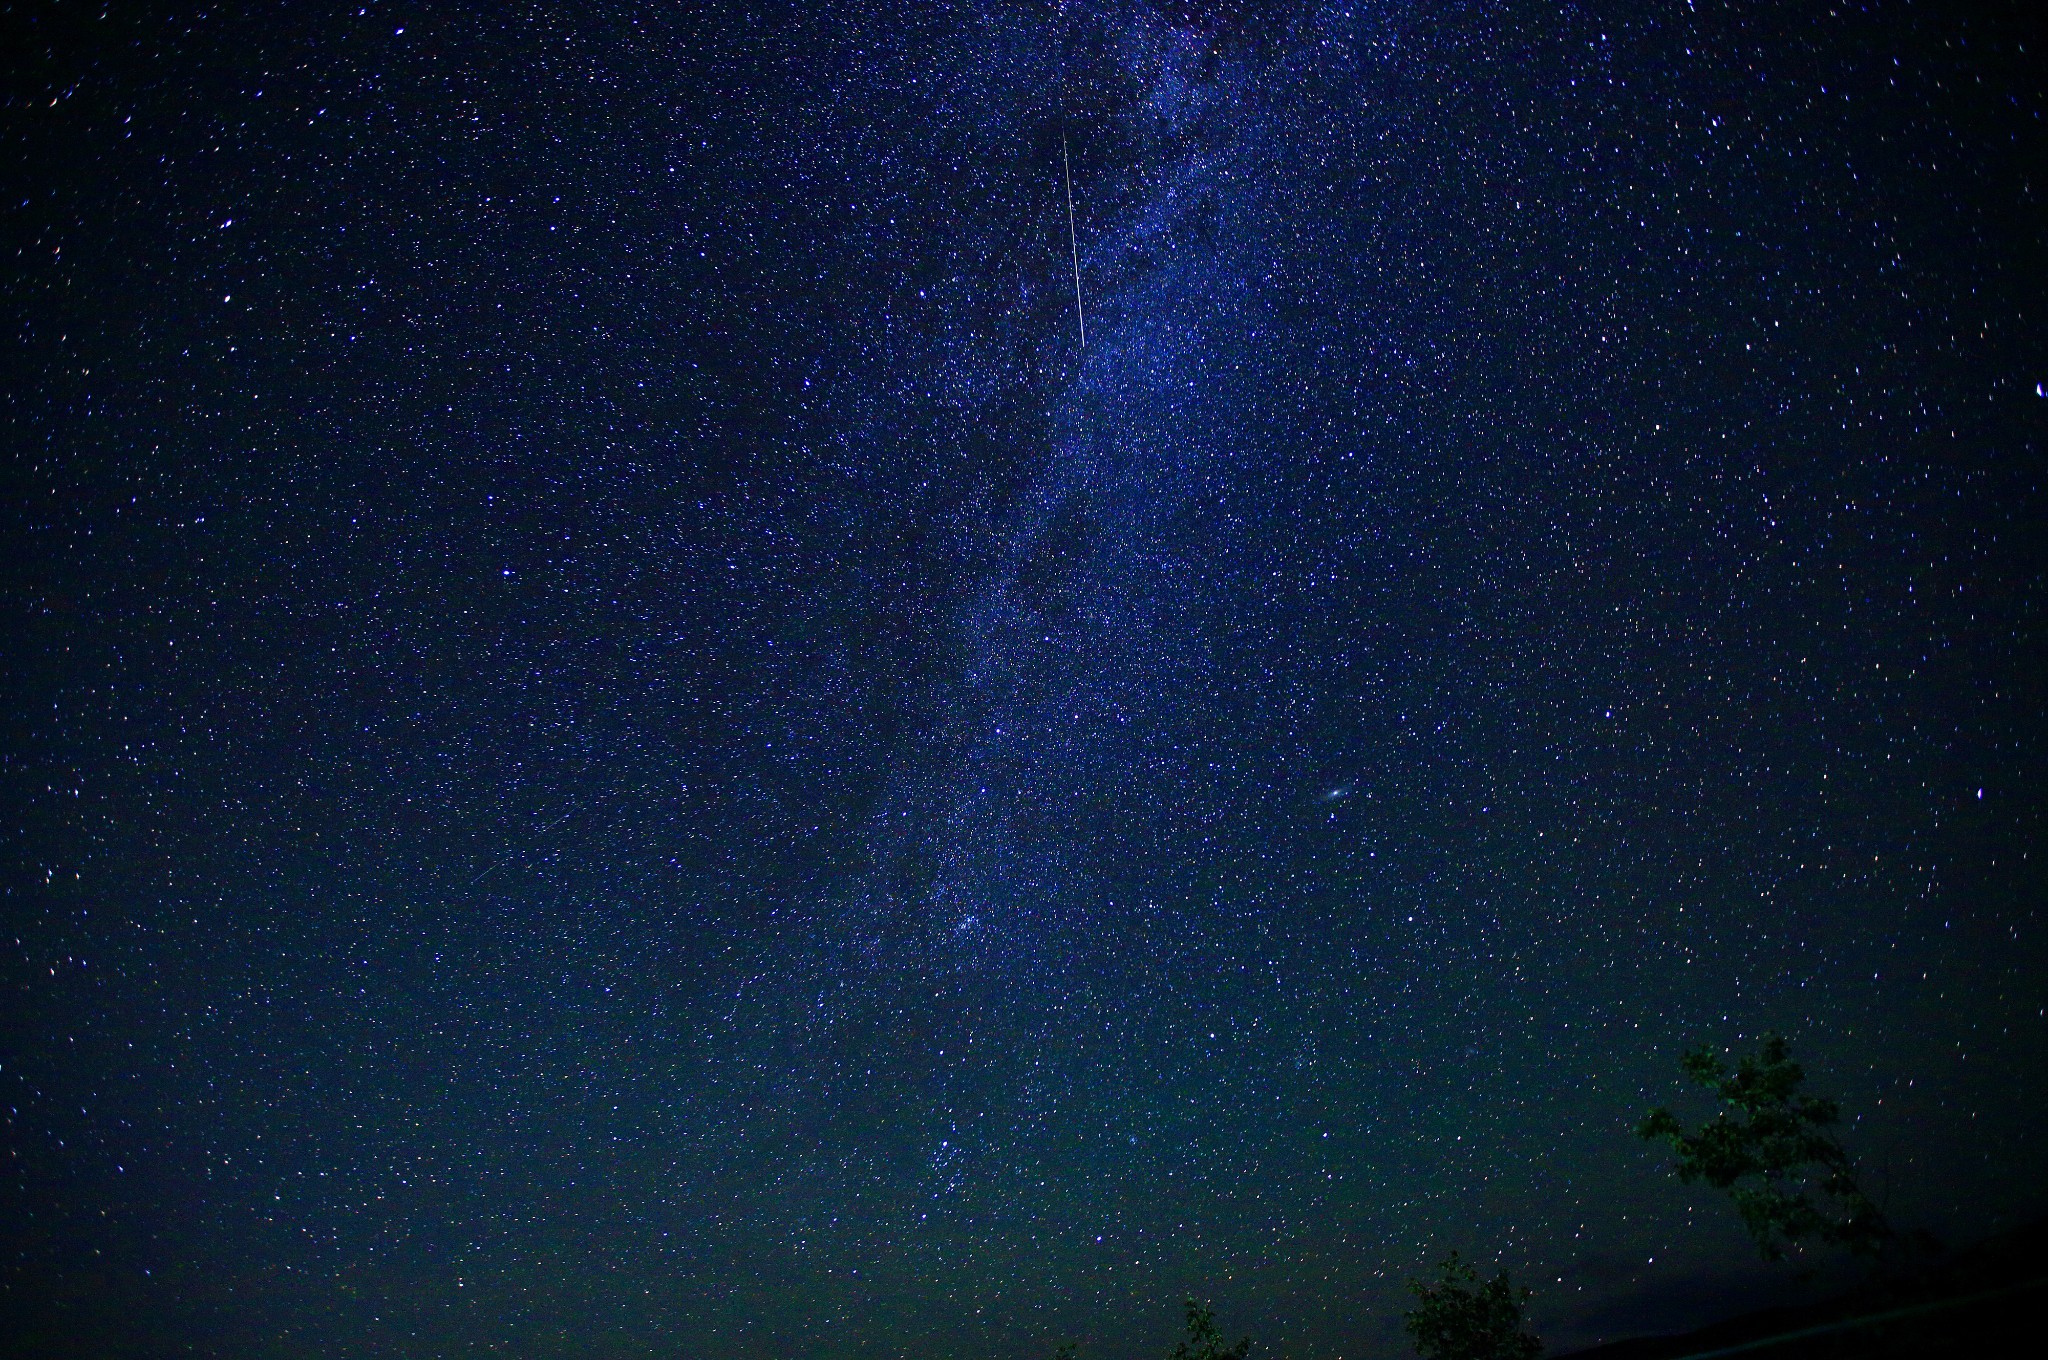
x,y
617,743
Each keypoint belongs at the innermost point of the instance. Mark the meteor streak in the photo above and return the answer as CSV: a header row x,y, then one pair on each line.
x,y
1073,243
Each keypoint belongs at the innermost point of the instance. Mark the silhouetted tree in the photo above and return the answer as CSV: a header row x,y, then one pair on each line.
x,y
1773,1151
1204,1341
1460,1318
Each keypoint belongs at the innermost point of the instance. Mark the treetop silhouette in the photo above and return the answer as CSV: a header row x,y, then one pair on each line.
x,y
1774,1152
1460,1318
1204,1341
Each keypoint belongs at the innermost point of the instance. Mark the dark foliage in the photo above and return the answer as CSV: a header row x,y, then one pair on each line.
x,y
1461,1318
1204,1341
1774,1152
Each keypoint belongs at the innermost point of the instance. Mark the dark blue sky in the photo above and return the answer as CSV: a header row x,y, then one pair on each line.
x,y
618,745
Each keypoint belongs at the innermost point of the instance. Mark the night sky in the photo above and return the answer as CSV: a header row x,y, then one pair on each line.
x,y
618,744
